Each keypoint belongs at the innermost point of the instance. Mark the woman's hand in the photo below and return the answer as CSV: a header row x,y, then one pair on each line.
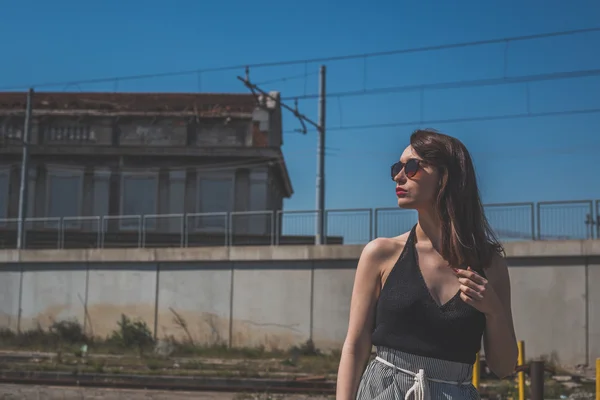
x,y
477,292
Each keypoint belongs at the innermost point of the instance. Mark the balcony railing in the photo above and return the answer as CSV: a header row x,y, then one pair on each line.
x,y
512,222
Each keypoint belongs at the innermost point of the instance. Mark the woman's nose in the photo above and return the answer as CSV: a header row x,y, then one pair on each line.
x,y
400,177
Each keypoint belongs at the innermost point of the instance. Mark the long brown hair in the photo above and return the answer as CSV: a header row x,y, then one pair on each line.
x,y
467,238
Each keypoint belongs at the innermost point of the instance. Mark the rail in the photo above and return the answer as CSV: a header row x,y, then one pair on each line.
x,y
563,220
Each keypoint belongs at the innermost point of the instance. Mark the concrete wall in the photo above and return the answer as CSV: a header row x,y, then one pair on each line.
x,y
279,296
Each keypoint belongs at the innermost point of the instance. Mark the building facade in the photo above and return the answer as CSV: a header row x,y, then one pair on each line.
x,y
128,161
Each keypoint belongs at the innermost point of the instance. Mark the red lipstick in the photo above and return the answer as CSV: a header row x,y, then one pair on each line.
x,y
400,191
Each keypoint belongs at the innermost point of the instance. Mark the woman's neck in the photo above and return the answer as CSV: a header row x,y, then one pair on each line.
x,y
429,229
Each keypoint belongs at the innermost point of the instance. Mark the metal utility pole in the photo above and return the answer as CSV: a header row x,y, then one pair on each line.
x,y
320,226
24,175
320,236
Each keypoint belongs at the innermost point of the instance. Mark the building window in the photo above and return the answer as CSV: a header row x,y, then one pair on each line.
x,y
215,195
139,197
64,193
4,181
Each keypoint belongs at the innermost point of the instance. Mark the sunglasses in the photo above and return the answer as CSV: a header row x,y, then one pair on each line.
x,y
411,167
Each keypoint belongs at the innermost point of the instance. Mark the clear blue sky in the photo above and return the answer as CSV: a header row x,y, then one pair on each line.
x,y
549,158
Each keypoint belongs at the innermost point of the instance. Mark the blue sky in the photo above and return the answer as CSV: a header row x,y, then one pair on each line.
x,y
534,159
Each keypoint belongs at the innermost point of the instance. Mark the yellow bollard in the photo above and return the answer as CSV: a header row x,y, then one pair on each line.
x,y
597,378
476,372
521,362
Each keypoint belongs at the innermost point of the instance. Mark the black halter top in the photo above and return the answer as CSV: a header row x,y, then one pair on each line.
x,y
408,319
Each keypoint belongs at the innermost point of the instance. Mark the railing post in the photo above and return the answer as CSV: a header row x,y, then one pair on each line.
x,y
182,231
102,231
324,230
277,226
532,221
597,219
539,221
591,231
98,234
140,228
142,240
375,227
272,218
370,224
229,231
61,233
186,228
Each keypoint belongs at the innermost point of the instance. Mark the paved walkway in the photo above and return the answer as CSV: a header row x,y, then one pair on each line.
x,y
18,392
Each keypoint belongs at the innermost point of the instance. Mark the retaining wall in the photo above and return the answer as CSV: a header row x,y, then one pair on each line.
x,y
279,296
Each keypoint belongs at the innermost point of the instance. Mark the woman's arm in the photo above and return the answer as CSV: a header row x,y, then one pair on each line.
x,y
491,296
357,346
500,341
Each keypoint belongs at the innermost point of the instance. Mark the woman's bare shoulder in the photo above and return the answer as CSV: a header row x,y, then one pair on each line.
x,y
382,249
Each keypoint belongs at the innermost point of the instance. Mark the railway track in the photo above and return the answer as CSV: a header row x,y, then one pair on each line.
x,y
169,383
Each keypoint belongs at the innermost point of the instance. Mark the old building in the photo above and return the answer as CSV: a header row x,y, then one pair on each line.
x,y
128,155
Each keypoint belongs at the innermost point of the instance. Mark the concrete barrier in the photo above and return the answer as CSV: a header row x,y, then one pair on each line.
x,y
279,296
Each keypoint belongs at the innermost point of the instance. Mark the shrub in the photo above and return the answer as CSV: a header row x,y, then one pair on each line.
x,y
132,334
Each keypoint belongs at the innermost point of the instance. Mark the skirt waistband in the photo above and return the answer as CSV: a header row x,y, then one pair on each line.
x,y
433,368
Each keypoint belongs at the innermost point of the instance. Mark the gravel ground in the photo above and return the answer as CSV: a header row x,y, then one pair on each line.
x,y
22,392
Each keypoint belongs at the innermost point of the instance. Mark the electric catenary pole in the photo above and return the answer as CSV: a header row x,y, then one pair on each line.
x,y
320,126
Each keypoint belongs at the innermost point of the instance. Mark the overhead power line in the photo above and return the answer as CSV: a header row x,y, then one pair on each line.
x,y
456,84
459,120
312,60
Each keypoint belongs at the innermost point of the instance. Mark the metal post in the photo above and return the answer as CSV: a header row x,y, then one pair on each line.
x,y
536,374
24,175
319,237
521,375
476,371
597,378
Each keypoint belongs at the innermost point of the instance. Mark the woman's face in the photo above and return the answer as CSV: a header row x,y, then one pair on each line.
x,y
416,183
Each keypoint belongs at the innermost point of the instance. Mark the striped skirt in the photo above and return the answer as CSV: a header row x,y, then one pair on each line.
x,y
397,375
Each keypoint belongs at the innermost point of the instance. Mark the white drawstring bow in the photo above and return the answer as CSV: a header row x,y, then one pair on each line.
x,y
420,389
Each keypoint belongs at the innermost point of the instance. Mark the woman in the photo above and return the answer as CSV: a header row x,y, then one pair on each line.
x,y
426,298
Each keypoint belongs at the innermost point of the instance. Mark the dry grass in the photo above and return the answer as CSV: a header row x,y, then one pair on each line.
x,y
131,349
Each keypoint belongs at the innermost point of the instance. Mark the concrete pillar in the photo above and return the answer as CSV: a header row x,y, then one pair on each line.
x,y
241,199
87,206
161,224
41,193
13,192
114,198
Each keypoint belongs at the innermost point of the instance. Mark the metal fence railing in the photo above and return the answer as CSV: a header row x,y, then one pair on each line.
x,y
562,220
511,222
596,222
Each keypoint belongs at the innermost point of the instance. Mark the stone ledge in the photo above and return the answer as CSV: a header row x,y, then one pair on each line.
x,y
557,248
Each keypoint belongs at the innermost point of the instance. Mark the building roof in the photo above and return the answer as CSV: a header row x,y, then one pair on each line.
x,y
200,104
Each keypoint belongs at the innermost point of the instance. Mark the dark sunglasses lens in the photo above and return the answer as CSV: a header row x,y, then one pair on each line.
x,y
412,166
396,168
